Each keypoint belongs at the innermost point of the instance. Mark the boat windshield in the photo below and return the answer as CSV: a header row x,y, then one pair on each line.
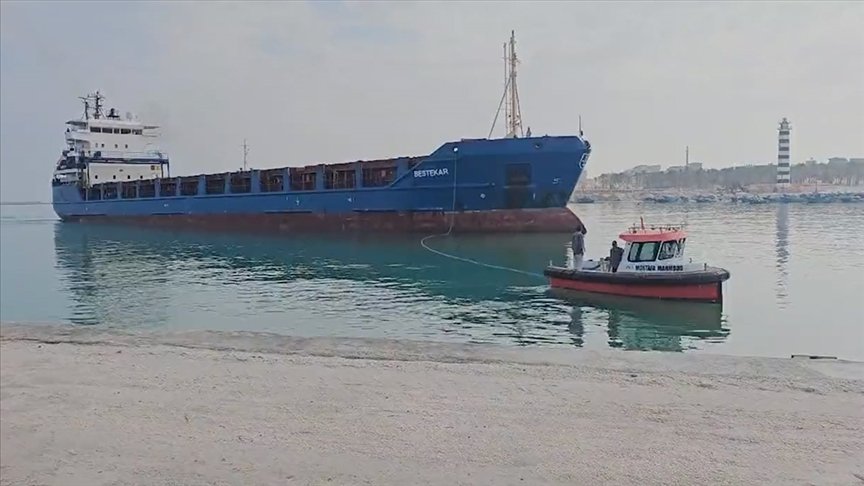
x,y
643,252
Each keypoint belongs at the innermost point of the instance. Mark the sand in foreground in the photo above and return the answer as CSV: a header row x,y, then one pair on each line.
x,y
88,408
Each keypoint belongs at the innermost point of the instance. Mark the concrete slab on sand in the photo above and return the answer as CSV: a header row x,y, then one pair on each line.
x,y
92,407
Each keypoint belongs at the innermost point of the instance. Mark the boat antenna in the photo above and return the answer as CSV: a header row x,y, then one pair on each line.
x,y
580,126
245,153
97,108
512,109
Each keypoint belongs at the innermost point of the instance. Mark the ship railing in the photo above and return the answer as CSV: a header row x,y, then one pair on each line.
x,y
124,154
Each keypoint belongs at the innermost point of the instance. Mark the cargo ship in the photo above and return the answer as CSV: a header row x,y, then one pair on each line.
x,y
113,170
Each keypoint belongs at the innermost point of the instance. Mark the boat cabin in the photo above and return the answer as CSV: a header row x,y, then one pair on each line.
x,y
653,249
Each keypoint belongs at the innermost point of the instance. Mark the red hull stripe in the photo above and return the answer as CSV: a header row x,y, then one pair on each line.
x,y
551,220
709,292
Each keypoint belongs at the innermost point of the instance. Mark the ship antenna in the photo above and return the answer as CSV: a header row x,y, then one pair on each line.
x,y
86,100
97,110
580,126
245,153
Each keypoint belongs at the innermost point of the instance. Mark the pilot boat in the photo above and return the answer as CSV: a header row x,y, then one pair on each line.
x,y
653,265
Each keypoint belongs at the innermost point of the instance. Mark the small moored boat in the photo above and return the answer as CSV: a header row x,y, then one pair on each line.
x,y
652,265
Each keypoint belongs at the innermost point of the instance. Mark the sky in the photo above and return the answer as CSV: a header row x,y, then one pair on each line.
x,y
334,81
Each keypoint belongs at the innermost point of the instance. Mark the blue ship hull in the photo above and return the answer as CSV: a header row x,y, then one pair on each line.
x,y
509,185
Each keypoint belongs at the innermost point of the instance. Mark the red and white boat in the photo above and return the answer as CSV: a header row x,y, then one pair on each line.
x,y
653,266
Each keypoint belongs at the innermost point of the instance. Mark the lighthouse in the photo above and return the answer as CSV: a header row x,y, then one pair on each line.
x,y
784,171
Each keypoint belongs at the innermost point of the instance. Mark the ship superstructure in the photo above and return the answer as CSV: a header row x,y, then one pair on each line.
x,y
105,147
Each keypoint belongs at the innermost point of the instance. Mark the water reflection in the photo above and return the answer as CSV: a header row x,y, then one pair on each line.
x,y
782,245
641,324
132,277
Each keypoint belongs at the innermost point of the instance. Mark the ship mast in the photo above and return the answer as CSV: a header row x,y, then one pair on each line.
x,y
514,124
245,153
97,108
510,98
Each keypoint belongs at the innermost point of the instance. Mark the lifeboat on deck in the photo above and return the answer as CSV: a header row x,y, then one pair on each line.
x,y
652,266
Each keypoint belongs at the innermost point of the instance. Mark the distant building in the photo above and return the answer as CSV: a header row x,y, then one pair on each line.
x,y
838,160
694,166
676,168
643,169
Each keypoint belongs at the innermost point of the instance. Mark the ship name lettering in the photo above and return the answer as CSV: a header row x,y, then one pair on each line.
x,y
431,172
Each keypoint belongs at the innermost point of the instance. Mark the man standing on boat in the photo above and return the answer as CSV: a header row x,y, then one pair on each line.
x,y
615,255
577,245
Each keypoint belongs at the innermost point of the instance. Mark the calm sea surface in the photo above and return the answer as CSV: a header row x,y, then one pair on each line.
x,y
797,282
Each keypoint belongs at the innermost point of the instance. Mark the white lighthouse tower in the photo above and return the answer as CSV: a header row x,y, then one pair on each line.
x,y
784,171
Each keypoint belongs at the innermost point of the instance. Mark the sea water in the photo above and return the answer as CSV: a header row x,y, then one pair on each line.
x,y
797,283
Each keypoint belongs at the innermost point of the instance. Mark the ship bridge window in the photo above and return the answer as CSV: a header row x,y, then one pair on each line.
x,y
643,252
96,129
668,250
125,131
137,132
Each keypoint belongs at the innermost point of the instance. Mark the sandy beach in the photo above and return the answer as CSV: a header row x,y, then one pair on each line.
x,y
94,407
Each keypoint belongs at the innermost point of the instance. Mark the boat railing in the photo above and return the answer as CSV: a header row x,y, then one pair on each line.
x,y
656,227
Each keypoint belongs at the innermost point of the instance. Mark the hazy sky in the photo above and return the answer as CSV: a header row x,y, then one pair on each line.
x,y
341,81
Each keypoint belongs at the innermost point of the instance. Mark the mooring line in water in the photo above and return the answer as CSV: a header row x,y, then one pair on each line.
x,y
475,262
450,230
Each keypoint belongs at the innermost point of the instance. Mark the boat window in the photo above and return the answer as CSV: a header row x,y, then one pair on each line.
x,y
680,247
643,252
96,129
668,250
125,131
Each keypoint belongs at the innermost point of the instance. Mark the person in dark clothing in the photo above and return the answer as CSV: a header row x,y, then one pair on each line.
x,y
577,246
615,255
